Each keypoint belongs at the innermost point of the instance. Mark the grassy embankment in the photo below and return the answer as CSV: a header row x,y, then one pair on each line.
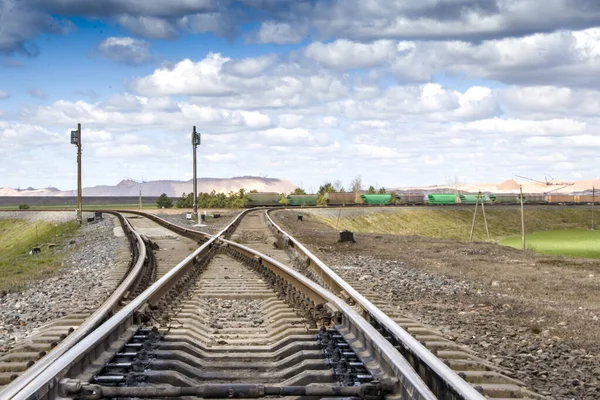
x,y
17,237
568,227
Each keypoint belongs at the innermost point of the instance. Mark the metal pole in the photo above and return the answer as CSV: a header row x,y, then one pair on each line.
x,y
79,200
593,201
522,219
194,144
474,216
484,217
140,199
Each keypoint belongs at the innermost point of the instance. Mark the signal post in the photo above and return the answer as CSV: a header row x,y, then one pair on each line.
x,y
195,143
76,140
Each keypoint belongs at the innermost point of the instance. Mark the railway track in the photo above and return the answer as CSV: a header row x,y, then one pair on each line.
x,y
230,318
428,351
34,349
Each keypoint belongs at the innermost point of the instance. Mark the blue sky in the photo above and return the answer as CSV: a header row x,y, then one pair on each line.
x,y
398,92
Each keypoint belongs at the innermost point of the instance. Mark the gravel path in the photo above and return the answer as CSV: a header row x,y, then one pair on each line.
x,y
78,286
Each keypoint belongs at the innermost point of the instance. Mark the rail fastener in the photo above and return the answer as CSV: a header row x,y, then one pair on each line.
x,y
375,390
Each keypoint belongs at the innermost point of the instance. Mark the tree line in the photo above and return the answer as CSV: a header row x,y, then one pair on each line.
x,y
239,199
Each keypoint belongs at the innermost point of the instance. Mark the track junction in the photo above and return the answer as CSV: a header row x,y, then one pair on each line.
x,y
246,312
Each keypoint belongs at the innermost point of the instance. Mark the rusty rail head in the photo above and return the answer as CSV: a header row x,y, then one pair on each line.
x,y
42,381
92,322
445,376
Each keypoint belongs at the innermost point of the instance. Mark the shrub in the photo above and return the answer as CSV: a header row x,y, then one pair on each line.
x,y
164,201
24,207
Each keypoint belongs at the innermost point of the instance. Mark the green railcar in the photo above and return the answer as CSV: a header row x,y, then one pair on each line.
x,y
442,198
380,199
302,199
472,199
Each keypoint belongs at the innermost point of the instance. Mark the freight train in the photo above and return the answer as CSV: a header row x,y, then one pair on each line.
x,y
351,199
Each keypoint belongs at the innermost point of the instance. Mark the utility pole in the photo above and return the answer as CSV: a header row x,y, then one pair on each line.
x,y
195,143
140,199
76,140
593,201
522,219
487,231
474,216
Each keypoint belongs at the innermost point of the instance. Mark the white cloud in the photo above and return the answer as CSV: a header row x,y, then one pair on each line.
x,y
344,54
373,151
4,95
126,50
21,136
249,67
542,101
292,137
525,128
187,77
332,106
221,157
150,27
558,57
278,33
124,151
582,141
539,141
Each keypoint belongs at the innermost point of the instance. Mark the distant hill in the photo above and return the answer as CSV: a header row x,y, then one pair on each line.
x,y
170,187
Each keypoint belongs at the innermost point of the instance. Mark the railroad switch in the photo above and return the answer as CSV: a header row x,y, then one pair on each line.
x,y
348,369
128,365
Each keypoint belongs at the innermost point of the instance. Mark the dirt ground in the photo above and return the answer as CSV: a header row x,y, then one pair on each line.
x,y
535,315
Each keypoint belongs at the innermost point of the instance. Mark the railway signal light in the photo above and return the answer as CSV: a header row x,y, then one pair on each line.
x,y
75,138
195,138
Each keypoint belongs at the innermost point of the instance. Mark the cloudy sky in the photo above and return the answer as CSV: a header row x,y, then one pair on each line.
x,y
401,92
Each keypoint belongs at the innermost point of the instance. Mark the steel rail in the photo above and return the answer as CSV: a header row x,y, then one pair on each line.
x,y
413,386
46,380
90,324
461,388
190,233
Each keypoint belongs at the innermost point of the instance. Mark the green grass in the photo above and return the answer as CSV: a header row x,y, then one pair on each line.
x,y
569,242
455,223
17,237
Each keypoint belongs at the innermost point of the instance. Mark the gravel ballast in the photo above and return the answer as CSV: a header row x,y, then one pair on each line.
x,y
77,287
500,302
541,360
